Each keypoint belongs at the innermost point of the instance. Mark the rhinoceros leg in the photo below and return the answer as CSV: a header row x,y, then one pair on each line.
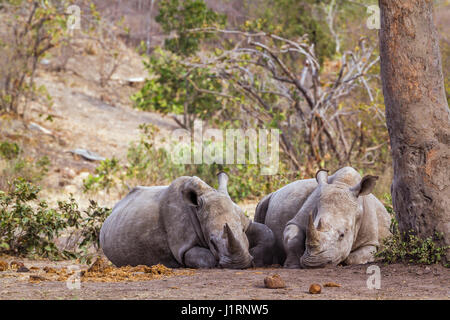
x,y
361,255
199,258
261,243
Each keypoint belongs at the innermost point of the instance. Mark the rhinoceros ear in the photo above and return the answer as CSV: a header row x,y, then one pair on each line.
x,y
191,197
223,183
322,176
365,186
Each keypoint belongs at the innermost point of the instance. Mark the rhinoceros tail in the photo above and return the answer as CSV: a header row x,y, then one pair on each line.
x,y
261,209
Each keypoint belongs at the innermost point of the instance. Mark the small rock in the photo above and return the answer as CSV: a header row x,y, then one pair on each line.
x,y
3,266
274,282
315,288
68,173
88,155
23,269
40,128
427,270
419,272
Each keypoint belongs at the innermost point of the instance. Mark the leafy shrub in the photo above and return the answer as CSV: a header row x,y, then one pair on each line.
x,y
85,226
9,150
29,227
296,18
173,89
409,248
151,165
388,204
182,16
103,177
13,165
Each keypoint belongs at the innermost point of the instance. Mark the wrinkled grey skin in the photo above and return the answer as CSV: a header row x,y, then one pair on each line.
x,y
260,237
327,220
262,244
186,224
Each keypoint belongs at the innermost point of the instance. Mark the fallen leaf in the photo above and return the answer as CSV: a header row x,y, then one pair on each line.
x,y
3,266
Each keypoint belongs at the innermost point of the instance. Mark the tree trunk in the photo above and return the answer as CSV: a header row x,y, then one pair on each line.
x,y
417,116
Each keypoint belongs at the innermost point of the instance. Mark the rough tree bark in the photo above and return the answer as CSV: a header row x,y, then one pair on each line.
x,y
417,116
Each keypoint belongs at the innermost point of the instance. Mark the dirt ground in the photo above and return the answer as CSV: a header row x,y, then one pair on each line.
x,y
102,120
397,281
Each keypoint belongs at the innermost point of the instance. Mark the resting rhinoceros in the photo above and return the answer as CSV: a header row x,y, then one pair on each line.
x,y
185,224
327,220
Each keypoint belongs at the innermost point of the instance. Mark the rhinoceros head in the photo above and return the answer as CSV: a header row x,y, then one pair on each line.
x,y
333,209
221,222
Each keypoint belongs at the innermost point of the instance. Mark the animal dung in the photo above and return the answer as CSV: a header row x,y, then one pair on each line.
x,y
274,282
3,266
36,279
315,288
16,264
100,271
332,285
98,266
107,273
49,270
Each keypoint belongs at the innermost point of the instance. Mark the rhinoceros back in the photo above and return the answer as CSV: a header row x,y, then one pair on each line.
x,y
133,233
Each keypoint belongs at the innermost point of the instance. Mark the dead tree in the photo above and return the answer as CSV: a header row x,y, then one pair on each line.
x,y
258,66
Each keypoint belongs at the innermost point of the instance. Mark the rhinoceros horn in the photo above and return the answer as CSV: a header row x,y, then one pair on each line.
x,y
234,246
311,233
223,182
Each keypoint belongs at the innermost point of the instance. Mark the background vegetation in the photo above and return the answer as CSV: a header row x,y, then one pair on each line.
x,y
308,68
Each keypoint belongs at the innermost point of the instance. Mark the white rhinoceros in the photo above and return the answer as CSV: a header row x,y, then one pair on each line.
x,y
327,220
185,224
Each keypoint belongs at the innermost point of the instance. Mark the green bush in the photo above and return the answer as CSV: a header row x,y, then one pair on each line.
x,y
9,150
181,16
14,165
85,225
103,177
25,228
28,227
409,248
174,89
151,165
